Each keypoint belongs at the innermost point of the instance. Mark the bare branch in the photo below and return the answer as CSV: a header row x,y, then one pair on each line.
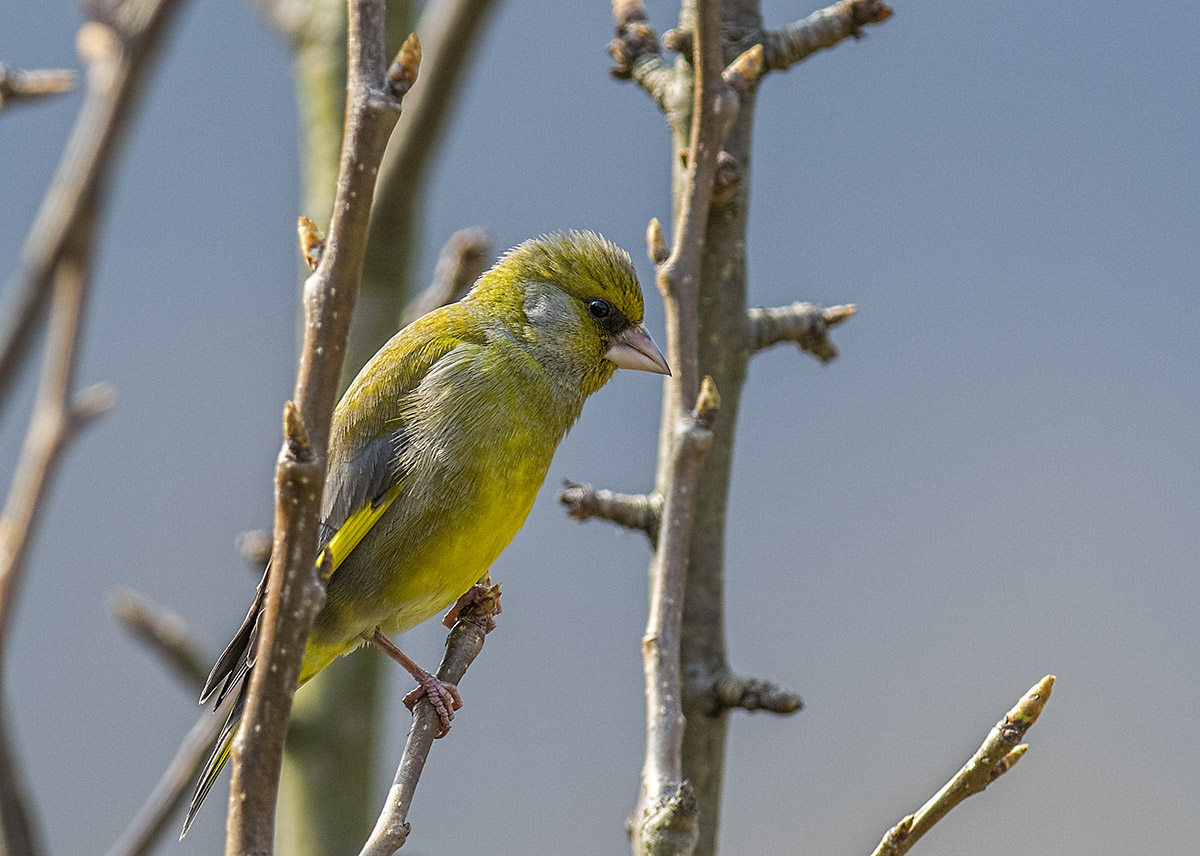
x,y
463,258
117,62
641,511
463,645
163,632
822,29
294,590
1000,751
17,85
753,694
805,324
150,823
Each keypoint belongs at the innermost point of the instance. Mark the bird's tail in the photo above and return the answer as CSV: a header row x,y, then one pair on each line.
x,y
231,672
217,760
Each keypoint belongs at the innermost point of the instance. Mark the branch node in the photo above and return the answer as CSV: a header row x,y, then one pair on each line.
x,y
92,402
295,435
1008,762
727,182
642,512
743,73
17,85
402,74
656,243
255,547
680,41
312,245
822,29
708,403
635,38
805,324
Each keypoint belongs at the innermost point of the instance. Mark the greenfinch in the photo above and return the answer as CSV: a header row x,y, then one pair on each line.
x,y
440,445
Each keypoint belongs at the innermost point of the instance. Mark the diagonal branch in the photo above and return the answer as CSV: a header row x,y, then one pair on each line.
x,y
636,53
294,591
1000,751
165,633
805,324
822,29
463,258
462,647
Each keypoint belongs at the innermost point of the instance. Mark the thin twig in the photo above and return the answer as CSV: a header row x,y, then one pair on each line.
x,y
805,324
822,29
463,645
163,632
117,60
1001,749
640,511
294,590
151,822
463,258
17,85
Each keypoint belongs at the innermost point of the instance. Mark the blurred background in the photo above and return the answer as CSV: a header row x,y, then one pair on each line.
x,y
996,480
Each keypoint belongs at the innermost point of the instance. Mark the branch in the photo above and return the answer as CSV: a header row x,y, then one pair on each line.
x,y
733,692
822,29
1000,751
641,511
294,591
463,258
463,645
148,825
165,633
55,260
451,29
636,54
117,57
806,324
17,85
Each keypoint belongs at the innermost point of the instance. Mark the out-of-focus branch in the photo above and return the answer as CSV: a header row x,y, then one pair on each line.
x,y
1000,751
163,632
463,645
463,258
805,324
294,591
641,511
146,829
117,55
822,29
452,31
54,266
17,85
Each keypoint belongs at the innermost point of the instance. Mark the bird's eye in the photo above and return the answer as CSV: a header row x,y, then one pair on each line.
x,y
600,308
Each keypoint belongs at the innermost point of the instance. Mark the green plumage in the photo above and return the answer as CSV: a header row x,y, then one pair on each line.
x,y
450,429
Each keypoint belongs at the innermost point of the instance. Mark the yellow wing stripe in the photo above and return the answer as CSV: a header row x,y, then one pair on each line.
x,y
356,527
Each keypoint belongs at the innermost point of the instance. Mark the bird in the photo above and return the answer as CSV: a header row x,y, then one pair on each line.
x,y
438,448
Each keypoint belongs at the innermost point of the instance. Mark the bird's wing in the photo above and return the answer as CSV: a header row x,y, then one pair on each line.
x,y
365,474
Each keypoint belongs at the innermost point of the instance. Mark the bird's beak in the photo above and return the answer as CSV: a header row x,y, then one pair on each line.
x,y
634,349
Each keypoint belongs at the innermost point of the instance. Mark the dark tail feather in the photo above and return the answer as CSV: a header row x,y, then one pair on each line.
x,y
217,760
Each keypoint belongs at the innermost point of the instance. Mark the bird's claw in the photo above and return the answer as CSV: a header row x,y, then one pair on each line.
x,y
443,696
476,594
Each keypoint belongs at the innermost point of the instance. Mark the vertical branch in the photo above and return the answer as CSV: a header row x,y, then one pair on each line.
x,y
294,591
665,821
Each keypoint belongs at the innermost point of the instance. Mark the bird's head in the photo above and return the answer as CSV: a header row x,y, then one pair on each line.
x,y
578,303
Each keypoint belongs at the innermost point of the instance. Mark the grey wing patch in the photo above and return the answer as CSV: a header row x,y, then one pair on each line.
x,y
362,478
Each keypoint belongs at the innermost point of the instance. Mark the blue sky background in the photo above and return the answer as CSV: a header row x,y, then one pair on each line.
x,y
997,479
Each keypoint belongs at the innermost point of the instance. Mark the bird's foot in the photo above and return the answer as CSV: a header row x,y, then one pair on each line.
x,y
482,594
443,696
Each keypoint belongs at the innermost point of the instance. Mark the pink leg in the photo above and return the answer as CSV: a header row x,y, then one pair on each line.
x,y
443,696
